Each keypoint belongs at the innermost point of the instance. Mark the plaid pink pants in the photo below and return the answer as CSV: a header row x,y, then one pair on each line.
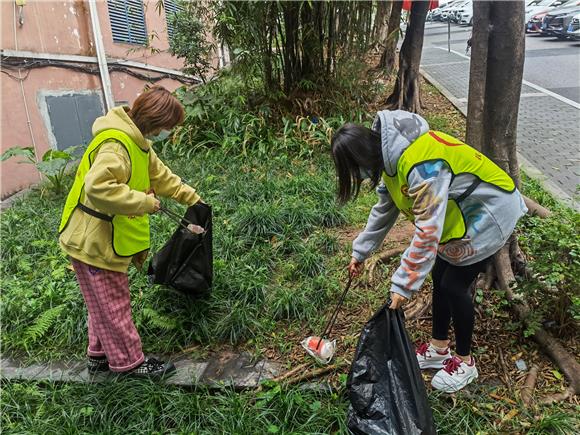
x,y
111,328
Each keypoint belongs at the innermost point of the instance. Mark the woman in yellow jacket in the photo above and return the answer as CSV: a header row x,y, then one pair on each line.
x,y
105,224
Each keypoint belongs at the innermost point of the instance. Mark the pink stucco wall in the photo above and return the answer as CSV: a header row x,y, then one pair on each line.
x,y
64,27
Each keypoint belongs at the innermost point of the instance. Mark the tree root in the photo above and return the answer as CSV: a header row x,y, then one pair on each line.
x,y
527,391
535,209
558,397
417,307
383,258
566,362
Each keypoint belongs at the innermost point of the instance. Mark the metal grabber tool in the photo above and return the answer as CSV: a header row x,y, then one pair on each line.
x,y
321,348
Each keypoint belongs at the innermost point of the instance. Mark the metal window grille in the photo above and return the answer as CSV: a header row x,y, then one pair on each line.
x,y
128,21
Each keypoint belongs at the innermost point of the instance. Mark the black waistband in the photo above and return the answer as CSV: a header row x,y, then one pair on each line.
x,y
95,213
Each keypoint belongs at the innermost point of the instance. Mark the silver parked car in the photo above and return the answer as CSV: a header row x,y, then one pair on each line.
x,y
573,30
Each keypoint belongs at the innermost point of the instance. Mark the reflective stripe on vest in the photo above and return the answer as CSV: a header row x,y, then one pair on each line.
x,y
461,159
130,234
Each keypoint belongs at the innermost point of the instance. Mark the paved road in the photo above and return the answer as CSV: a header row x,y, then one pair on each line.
x,y
549,118
550,63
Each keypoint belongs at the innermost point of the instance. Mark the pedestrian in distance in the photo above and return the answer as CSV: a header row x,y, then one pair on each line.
x,y
105,224
464,208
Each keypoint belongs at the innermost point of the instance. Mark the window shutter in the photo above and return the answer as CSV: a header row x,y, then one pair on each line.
x,y
171,7
128,21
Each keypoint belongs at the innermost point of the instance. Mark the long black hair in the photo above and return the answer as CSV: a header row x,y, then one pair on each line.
x,y
355,147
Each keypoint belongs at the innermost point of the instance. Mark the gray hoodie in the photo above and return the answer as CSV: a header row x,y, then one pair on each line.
x,y
490,214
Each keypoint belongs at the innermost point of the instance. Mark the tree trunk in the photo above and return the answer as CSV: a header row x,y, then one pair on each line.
x,y
477,75
495,85
505,68
406,95
381,24
387,61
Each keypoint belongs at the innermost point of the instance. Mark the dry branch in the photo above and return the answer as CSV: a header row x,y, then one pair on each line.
x,y
527,390
314,374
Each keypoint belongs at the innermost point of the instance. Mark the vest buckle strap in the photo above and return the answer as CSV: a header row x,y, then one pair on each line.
x,y
94,213
468,191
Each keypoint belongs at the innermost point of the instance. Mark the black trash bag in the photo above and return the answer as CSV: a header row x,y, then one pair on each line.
x,y
185,263
386,391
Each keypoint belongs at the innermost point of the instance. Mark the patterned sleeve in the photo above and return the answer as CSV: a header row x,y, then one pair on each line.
x,y
428,188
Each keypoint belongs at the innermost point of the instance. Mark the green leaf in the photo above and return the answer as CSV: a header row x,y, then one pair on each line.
x,y
557,374
52,167
273,429
55,154
26,152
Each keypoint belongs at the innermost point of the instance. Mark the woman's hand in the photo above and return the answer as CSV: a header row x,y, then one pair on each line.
x,y
355,267
397,301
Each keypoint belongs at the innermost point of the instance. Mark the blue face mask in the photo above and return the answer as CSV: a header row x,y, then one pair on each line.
x,y
365,174
163,134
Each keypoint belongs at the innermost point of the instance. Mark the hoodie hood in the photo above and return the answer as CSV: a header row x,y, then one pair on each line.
x,y
398,130
118,119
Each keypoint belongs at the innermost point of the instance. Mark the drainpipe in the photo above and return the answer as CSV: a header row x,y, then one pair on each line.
x,y
101,57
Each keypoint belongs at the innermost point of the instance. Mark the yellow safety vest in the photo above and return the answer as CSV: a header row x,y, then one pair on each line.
x,y
461,159
130,234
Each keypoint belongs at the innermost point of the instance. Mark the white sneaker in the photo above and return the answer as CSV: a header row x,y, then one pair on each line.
x,y
455,375
431,358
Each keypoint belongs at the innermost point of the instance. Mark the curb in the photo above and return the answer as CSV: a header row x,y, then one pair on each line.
x,y
238,371
525,165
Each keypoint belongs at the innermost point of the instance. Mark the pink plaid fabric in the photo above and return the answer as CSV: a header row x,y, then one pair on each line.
x,y
111,329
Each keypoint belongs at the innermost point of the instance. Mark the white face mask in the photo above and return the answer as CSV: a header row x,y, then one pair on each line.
x,y
163,134
365,174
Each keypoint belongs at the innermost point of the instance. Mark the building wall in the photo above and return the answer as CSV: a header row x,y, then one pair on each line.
x,y
64,27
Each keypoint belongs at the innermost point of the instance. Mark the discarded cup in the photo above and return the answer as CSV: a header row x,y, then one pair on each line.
x,y
321,349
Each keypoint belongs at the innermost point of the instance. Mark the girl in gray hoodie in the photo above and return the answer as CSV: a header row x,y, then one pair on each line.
x,y
464,209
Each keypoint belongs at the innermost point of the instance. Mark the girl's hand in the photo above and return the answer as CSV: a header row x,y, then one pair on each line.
x,y
355,267
397,301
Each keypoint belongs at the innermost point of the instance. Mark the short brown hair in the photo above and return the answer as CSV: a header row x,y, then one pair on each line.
x,y
155,109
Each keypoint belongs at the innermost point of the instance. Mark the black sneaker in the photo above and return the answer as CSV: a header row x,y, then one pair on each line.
x,y
152,368
97,364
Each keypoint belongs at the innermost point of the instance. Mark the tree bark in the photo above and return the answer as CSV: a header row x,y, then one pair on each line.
x,y
406,95
505,67
387,61
477,75
380,26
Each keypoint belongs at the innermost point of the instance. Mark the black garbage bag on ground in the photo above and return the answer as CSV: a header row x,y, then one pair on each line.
x,y
185,263
386,391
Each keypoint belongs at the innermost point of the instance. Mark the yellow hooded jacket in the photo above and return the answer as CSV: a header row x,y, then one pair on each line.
x,y
87,238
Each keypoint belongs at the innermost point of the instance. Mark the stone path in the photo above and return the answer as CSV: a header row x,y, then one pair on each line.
x,y
548,124
236,370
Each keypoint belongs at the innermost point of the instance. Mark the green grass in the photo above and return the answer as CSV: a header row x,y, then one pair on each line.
x,y
271,248
131,407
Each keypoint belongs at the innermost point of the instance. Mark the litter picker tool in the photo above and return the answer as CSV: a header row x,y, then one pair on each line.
x,y
321,348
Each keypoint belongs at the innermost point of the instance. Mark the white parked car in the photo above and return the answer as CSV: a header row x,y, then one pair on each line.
x,y
540,6
466,15
455,10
